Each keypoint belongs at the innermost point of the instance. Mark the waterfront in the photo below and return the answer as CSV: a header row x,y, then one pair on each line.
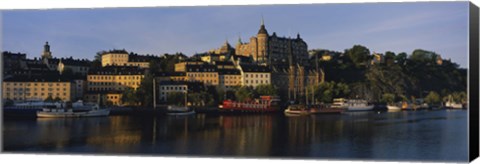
x,y
412,136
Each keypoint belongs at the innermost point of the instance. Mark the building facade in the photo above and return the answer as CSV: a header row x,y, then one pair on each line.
x,y
254,75
272,49
199,72
123,58
22,88
111,81
80,67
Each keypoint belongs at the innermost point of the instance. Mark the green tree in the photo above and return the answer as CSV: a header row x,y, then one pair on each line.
x,y
359,55
432,98
129,96
388,98
57,99
266,89
49,99
244,93
145,91
176,98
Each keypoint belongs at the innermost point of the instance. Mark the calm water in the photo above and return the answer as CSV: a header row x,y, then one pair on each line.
x,y
412,136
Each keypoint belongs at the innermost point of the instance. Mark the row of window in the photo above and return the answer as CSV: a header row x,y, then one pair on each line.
x,y
35,89
256,75
176,88
35,84
35,94
113,83
256,82
113,77
202,75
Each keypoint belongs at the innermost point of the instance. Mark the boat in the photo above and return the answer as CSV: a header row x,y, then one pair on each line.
x,y
323,109
297,110
78,111
27,108
260,105
450,104
173,110
340,103
406,106
358,105
393,108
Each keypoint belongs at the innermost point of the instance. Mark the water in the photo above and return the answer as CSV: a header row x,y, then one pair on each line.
x,y
410,136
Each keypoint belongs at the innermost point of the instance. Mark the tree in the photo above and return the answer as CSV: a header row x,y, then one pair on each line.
x,y
244,93
432,98
359,55
390,58
176,98
266,89
57,99
49,99
388,98
9,102
145,91
129,96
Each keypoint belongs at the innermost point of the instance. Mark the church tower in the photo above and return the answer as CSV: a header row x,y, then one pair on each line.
x,y
262,44
46,52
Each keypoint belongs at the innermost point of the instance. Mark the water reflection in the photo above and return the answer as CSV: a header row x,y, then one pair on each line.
x,y
421,135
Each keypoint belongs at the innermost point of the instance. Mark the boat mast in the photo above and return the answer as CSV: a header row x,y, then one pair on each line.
x,y
154,96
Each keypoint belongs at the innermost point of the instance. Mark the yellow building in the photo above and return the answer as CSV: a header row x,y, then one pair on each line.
x,y
122,58
230,78
111,81
170,76
21,88
199,72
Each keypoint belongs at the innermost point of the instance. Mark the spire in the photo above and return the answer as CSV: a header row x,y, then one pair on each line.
x,y
262,28
263,23
239,40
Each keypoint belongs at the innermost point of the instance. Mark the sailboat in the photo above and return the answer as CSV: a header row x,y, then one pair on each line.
x,y
450,104
175,110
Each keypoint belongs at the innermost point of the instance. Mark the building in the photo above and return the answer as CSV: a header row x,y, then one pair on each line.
x,y
199,72
377,59
12,61
167,87
272,49
170,76
229,78
111,81
47,54
123,58
254,75
21,88
76,66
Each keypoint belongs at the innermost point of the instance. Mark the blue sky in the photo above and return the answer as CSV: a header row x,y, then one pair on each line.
x,y
399,27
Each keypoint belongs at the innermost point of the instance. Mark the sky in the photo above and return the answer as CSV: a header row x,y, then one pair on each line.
x,y
441,27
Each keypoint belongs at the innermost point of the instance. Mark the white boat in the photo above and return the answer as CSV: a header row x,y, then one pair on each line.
x,y
179,110
450,104
358,105
393,108
296,110
94,111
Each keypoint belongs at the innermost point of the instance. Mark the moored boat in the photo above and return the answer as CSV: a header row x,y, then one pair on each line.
x,y
93,111
261,105
393,108
358,105
322,109
179,110
296,110
27,108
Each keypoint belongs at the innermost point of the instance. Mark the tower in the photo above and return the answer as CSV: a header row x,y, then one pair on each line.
x,y
262,43
46,51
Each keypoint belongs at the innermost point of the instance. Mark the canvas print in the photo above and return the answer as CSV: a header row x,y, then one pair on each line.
x,y
358,81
